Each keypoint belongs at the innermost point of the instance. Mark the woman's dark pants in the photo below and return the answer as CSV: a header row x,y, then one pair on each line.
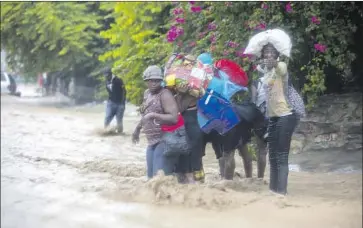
x,y
192,162
280,130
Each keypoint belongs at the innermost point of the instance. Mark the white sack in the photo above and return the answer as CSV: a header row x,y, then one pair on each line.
x,y
278,38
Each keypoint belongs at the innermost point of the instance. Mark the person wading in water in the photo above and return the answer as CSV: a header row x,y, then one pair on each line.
x,y
282,117
116,100
158,107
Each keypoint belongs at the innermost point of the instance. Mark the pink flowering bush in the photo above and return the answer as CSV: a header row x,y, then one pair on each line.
x,y
317,42
320,47
178,11
315,20
180,20
174,33
196,9
212,26
288,7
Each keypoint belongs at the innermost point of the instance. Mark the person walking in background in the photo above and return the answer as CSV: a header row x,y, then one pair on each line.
x,y
116,100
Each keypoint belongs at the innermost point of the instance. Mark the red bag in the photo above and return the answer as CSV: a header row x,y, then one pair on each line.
x,y
171,128
233,70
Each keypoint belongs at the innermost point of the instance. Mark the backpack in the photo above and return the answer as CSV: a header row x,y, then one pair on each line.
x,y
295,101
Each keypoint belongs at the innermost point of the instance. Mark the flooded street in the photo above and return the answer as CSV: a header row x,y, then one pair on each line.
x,y
58,170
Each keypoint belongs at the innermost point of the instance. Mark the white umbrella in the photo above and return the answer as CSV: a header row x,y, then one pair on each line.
x,y
278,38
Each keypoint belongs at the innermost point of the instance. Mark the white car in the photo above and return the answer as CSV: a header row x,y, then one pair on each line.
x,y
5,83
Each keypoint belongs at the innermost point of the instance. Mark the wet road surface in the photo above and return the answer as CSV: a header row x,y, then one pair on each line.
x,y
57,170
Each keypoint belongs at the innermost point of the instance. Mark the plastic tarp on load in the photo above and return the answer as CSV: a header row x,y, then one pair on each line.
x,y
215,110
216,113
224,86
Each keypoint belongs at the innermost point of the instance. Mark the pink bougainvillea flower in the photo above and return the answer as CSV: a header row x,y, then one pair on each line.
x,y
261,26
202,35
180,20
225,52
264,6
179,31
228,3
315,20
173,33
212,26
196,9
213,39
239,53
192,44
288,7
191,2
320,47
254,67
232,44
178,11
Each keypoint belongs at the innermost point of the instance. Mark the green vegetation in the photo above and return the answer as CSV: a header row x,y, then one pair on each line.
x,y
81,38
138,38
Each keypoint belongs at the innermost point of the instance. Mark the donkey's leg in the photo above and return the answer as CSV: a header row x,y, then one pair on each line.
x,y
246,158
227,165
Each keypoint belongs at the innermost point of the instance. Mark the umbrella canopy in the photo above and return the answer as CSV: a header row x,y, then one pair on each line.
x,y
277,37
233,71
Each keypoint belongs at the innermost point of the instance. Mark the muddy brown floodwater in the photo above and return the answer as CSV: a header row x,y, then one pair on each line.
x,y
57,170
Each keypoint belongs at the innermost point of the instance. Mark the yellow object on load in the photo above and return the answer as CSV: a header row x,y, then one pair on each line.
x,y
170,80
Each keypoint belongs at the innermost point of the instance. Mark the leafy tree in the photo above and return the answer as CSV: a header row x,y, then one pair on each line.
x,y
138,41
47,36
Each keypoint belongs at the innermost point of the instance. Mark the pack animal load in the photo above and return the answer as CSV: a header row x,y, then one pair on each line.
x,y
188,74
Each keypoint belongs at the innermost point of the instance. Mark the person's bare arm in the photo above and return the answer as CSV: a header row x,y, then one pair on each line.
x,y
170,108
253,93
281,70
136,133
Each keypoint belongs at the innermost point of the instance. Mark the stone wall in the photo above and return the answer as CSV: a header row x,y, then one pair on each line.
x,y
334,125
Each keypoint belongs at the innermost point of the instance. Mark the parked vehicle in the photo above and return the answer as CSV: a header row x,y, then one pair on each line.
x,y
8,84
5,83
